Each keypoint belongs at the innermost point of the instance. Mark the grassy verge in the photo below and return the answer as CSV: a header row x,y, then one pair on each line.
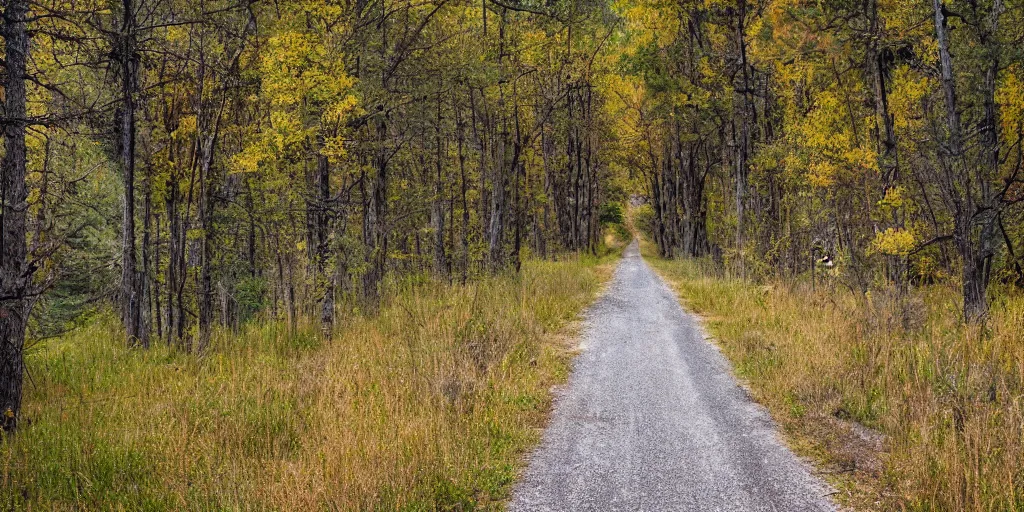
x,y
428,405
903,406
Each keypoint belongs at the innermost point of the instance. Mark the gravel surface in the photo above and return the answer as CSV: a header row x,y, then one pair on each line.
x,y
652,419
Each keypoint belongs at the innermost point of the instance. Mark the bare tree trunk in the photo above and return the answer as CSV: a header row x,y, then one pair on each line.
x,y
590,223
158,310
517,172
254,271
974,249
323,257
887,131
669,207
657,201
374,228
695,242
175,240
145,276
549,198
206,211
437,211
131,284
496,232
15,274
743,144
988,172
461,130
175,264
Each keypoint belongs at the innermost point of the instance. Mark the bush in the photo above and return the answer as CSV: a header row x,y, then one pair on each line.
x,y
251,294
611,213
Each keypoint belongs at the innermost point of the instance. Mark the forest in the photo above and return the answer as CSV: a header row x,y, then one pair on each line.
x,y
180,178
202,163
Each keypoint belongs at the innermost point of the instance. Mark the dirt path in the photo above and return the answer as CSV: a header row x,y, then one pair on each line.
x,y
652,419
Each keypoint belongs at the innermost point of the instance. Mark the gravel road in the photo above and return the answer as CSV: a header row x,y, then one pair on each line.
x,y
652,419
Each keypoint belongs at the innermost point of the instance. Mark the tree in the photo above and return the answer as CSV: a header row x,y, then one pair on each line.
x,y
16,272
973,184
127,62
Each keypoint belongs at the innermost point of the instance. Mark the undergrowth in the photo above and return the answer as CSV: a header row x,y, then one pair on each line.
x,y
429,404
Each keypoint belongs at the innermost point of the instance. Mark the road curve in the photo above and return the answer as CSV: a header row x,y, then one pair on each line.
x,y
652,419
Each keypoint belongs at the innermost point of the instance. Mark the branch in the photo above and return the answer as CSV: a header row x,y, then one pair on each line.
x,y
524,8
935,240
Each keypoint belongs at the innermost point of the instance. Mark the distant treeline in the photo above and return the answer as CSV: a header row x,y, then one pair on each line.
x,y
884,136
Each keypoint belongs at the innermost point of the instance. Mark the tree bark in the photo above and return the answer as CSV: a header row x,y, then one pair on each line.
x,y
973,248
15,273
206,219
375,222
323,257
461,132
437,206
131,284
743,144
145,276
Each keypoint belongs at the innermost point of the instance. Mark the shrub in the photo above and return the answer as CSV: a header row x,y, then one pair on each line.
x,y
611,213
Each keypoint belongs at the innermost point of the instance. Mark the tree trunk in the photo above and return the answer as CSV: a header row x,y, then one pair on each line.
x,y
437,210
323,256
988,172
131,284
145,276
158,310
206,220
695,242
496,232
175,264
743,144
375,222
15,274
461,130
549,197
973,248
657,201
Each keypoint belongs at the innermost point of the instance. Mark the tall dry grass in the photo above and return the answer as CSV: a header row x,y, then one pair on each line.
x,y
428,405
904,406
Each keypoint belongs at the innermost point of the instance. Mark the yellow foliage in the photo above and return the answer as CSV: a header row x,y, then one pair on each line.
x,y
822,174
894,197
908,90
1010,97
894,242
306,88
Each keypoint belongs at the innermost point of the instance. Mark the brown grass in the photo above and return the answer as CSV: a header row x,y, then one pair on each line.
x,y
429,405
902,405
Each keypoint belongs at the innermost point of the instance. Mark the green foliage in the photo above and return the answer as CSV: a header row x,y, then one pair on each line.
x,y
611,213
251,294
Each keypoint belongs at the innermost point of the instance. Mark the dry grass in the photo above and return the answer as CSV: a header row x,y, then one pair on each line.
x,y
429,405
903,405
